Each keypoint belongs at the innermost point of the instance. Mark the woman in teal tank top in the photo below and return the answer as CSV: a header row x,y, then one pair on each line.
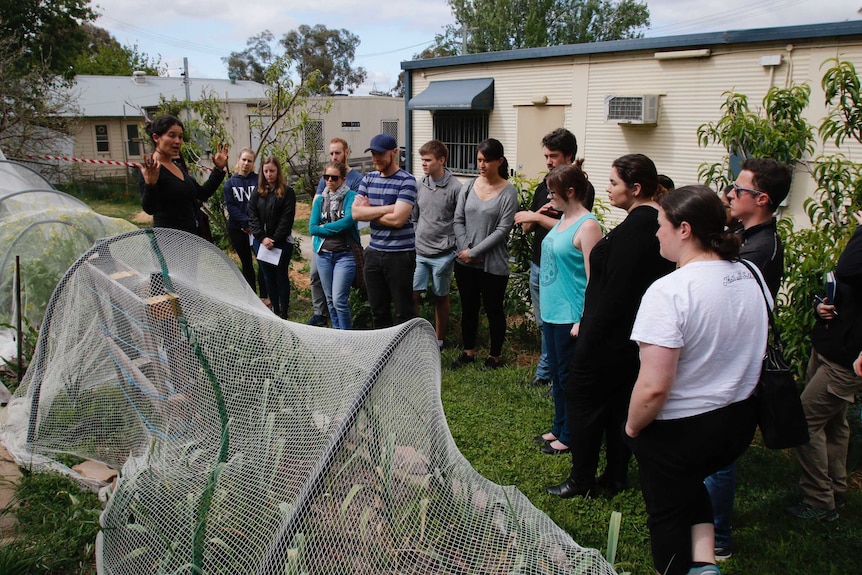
x,y
563,280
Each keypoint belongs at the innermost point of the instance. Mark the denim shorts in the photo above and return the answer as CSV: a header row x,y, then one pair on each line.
x,y
438,270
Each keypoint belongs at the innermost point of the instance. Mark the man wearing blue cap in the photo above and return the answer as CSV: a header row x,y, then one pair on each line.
x,y
385,198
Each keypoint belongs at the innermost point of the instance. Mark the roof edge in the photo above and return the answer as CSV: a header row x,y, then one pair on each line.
x,y
782,33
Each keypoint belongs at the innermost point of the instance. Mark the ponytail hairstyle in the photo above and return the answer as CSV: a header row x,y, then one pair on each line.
x,y
702,209
567,176
638,169
493,150
263,187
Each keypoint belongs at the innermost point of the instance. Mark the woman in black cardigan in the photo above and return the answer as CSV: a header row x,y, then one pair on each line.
x,y
605,364
168,192
271,210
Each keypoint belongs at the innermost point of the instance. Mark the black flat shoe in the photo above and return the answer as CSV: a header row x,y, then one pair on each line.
x,y
463,360
540,440
548,450
611,487
567,489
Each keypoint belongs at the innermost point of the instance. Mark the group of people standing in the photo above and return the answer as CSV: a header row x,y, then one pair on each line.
x,y
640,326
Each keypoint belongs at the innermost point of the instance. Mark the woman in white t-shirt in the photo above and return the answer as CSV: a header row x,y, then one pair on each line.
x,y
702,333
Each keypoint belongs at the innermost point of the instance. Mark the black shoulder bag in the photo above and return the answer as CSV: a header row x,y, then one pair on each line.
x,y
779,407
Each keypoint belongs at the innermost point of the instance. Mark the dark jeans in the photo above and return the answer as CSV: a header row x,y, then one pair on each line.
x,y
389,280
476,288
278,281
557,339
674,456
239,241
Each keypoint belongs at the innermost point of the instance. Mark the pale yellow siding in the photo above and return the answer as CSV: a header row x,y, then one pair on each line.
x,y
691,93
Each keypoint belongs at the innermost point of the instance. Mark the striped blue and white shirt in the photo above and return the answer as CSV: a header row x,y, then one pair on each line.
x,y
384,191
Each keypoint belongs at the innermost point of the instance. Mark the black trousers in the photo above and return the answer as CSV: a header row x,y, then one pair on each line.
x,y
674,457
239,241
389,280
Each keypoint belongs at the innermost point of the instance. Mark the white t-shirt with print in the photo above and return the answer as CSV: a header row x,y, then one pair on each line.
x,y
715,312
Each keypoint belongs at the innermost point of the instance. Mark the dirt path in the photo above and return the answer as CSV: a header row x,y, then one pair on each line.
x,y
9,477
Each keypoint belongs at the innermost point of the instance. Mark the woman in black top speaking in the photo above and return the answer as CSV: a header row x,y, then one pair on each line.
x,y
168,192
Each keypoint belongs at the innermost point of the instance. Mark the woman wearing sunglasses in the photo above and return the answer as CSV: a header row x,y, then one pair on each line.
x,y
332,231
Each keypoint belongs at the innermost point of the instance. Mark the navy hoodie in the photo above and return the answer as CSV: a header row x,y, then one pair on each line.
x,y
237,191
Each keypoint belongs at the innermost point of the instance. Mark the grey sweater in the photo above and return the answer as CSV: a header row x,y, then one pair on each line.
x,y
484,226
434,215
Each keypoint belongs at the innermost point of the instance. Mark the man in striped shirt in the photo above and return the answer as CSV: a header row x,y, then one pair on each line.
x,y
385,198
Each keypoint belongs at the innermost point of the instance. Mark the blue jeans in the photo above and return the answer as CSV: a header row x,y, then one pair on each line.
x,y
543,369
337,270
721,486
561,347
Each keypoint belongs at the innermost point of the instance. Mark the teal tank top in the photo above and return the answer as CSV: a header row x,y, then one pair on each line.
x,y
563,275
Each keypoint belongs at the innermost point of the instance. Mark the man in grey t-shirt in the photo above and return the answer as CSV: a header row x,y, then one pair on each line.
x,y
433,217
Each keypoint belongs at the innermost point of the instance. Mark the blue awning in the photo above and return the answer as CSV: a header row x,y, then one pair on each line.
x,y
472,94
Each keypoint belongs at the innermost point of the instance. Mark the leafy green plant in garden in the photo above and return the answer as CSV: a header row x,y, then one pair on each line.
x,y
779,130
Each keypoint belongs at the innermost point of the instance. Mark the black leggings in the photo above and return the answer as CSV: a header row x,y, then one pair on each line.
x,y
475,287
239,241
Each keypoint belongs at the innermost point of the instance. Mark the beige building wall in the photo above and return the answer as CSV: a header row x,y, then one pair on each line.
x,y
691,94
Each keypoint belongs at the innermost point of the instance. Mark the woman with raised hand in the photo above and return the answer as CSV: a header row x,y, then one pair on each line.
x,y
333,233
168,192
483,219
271,211
692,410
605,362
564,272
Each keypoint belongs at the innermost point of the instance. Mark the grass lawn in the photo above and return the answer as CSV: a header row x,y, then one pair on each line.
x,y
493,417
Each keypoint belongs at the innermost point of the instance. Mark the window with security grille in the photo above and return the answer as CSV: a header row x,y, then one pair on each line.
x,y
461,132
102,144
134,140
390,128
314,135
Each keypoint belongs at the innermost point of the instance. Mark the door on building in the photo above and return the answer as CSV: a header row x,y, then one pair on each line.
x,y
533,123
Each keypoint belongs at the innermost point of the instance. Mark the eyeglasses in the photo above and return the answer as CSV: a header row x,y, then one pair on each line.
x,y
738,189
331,177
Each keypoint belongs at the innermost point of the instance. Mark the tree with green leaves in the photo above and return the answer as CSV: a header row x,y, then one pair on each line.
x,y
105,56
37,112
494,25
309,50
252,63
285,123
329,52
50,34
778,129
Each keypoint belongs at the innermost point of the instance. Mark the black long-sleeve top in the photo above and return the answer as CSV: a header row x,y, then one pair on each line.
x,y
171,201
623,265
840,339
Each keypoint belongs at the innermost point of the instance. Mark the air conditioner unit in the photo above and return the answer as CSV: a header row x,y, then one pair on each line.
x,y
641,109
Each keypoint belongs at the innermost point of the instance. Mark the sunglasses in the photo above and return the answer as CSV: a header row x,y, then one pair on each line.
x,y
738,189
331,177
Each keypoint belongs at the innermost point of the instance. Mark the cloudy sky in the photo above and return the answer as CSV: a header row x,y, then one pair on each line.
x,y
205,32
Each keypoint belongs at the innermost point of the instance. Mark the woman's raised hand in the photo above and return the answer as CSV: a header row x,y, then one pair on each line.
x,y
150,169
220,159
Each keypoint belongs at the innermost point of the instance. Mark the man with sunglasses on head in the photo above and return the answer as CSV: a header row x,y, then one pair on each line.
x,y
754,197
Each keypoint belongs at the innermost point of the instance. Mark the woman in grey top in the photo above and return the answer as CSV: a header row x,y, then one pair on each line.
x,y
483,219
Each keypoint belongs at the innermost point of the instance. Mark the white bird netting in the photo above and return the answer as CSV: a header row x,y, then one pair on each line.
x,y
251,445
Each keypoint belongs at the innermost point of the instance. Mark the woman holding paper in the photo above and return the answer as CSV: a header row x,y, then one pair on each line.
x,y
271,210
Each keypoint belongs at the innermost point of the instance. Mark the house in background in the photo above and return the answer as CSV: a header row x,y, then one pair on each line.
x,y
646,95
110,117
110,114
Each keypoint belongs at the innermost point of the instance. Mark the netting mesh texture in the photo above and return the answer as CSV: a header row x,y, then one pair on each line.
x,y
248,444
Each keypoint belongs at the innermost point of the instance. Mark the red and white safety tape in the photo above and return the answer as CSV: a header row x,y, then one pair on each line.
x,y
99,162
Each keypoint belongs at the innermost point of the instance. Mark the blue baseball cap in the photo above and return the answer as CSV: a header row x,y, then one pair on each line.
x,y
382,143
